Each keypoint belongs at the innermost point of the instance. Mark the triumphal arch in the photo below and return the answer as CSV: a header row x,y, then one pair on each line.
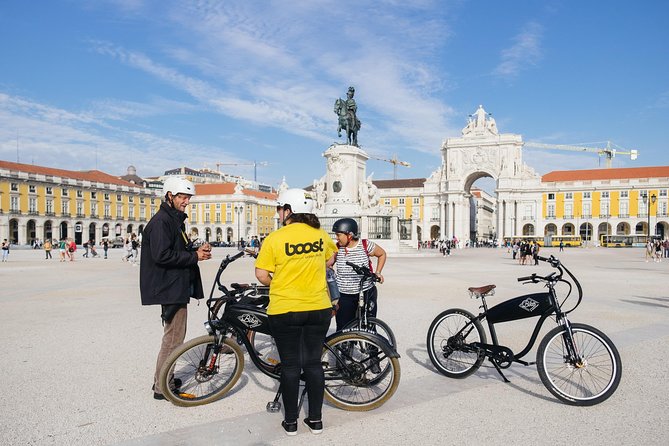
x,y
481,152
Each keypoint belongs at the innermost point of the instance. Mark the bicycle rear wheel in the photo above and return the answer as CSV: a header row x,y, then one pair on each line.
x,y
585,378
207,371
350,380
449,343
377,326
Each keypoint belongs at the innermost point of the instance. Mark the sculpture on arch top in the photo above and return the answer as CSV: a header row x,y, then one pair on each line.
x,y
480,123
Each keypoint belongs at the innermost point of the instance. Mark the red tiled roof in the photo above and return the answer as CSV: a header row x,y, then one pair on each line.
x,y
229,189
95,176
607,174
403,183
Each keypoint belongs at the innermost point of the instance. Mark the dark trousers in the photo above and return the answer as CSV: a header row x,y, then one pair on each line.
x,y
348,305
299,338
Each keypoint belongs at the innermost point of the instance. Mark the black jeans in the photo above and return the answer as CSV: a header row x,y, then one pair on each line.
x,y
299,338
348,305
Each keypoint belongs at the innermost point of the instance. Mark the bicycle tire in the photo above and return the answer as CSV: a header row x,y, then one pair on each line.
x,y
591,381
450,350
198,386
373,325
266,350
349,382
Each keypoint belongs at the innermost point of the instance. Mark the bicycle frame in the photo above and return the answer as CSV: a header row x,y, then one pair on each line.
x,y
541,305
238,319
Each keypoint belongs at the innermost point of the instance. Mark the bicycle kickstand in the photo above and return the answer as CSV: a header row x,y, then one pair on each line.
x,y
498,370
275,405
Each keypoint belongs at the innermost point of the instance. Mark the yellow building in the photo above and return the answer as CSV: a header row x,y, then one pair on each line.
x,y
228,212
45,203
597,202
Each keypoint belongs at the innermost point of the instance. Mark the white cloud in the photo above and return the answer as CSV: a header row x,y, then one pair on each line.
x,y
524,53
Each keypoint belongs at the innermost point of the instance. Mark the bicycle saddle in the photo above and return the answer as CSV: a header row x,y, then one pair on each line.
x,y
481,290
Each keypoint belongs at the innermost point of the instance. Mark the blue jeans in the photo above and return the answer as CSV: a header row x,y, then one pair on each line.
x,y
299,338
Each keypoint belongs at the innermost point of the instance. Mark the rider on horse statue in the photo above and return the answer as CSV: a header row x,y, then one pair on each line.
x,y
346,110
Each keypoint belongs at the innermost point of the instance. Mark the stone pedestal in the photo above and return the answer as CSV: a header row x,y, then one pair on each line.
x,y
346,171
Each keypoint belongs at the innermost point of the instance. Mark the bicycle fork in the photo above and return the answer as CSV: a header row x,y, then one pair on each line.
x,y
572,355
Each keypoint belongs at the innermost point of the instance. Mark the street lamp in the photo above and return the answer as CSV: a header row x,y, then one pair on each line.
x,y
238,211
648,202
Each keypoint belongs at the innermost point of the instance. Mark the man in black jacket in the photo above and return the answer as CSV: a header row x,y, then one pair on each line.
x,y
169,275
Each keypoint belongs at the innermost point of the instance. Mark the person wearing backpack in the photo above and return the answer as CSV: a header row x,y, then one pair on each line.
x,y
359,252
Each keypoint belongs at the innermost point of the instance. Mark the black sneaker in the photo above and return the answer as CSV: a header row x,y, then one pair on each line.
x,y
316,427
289,428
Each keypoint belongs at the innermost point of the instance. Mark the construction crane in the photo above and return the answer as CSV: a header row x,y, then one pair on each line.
x,y
395,162
255,165
609,152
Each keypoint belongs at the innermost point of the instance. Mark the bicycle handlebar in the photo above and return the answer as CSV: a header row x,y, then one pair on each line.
x,y
552,277
364,271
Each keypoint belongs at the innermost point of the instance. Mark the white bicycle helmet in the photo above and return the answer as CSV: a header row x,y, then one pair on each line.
x,y
178,185
299,200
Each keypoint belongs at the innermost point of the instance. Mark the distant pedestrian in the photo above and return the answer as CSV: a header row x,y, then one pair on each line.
x,y
85,254
71,249
5,250
535,252
105,246
561,246
91,246
47,249
62,249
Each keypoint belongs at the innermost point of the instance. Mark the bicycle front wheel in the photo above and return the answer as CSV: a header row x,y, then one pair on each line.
x,y
584,374
449,343
375,326
266,350
359,373
206,369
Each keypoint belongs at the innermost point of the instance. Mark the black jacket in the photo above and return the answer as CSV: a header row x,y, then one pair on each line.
x,y
168,272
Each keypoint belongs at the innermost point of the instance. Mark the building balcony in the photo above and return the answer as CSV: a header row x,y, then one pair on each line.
x,y
80,215
50,214
94,215
586,216
206,221
642,215
604,215
623,215
661,214
550,217
566,216
15,212
530,218
131,218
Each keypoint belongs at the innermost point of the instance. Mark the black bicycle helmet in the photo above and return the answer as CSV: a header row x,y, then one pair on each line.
x,y
346,226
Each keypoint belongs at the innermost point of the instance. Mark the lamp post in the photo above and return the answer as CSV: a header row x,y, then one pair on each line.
x,y
648,202
238,211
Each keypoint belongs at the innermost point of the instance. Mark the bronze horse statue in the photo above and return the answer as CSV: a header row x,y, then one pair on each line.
x,y
347,121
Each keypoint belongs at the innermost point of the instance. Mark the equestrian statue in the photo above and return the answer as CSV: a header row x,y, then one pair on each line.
x,y
348,120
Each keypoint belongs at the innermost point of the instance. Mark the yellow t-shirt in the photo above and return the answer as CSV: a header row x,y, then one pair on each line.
x,y
296,256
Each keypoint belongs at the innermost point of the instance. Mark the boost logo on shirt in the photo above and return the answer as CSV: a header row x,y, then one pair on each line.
x,y
304,248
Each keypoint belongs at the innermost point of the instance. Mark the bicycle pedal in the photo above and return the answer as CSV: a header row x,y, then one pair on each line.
x,y
273,406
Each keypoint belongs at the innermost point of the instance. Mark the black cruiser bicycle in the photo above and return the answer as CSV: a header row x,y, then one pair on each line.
x,y
577,363
207,367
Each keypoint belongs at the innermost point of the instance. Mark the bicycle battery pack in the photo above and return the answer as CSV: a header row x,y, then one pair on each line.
x,y
529,305
249,316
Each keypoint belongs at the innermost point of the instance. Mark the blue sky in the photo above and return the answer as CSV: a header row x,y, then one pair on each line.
x,y
161,84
